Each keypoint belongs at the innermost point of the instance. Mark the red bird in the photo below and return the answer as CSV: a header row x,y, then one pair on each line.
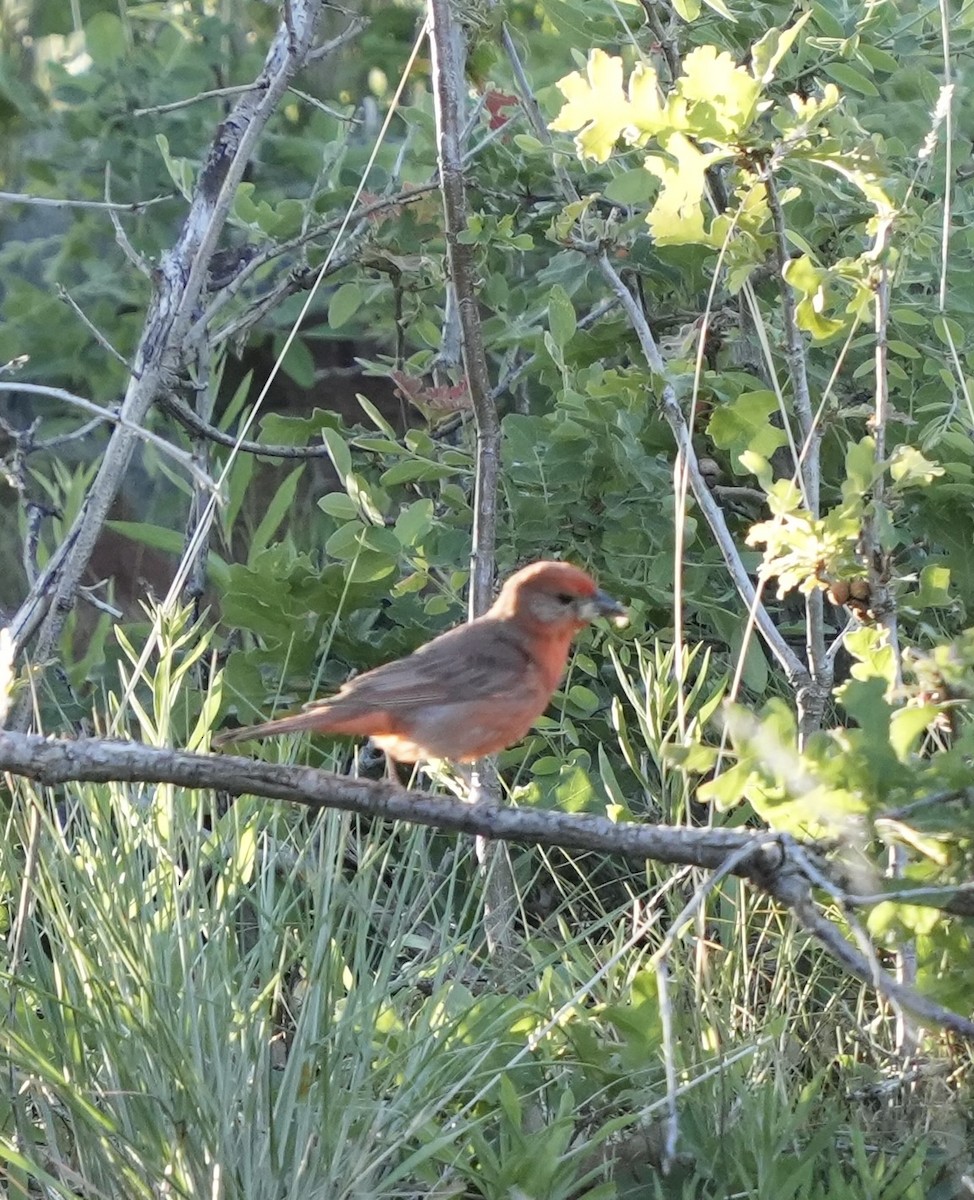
x,y
473,690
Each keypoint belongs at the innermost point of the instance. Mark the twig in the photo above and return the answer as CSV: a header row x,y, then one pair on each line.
x,y
64,439
96,602
671,1121
35,514
794,891
711,510
195,424
775,864
881,598
811,698
351,31
106,414
197,543
882,601
289,26
911,895
136,206
236,90
172,106
121,237
665,43
298,280
65,295
321,106
336,224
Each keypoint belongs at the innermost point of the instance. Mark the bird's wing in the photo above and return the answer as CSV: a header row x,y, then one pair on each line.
x,y
486,658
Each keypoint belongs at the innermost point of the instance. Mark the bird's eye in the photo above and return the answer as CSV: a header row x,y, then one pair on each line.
x,y
564,598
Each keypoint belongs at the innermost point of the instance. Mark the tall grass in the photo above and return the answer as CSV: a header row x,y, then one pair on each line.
x,y
213,999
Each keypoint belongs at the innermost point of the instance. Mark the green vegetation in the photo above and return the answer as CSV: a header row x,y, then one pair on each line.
x,y
740,229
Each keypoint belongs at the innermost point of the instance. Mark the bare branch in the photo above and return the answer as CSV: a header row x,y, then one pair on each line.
x,y
53,761
795,669
106,414
446,42
69,300
136,206
794,891
173,106
812,696
195,424
121,237
351,31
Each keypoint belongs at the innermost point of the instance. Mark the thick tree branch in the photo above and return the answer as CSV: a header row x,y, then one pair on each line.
x,y
54,761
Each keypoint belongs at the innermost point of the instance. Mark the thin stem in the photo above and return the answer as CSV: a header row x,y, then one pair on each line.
x,y
448,56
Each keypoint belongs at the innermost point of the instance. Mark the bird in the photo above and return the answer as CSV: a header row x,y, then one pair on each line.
x,y
472,691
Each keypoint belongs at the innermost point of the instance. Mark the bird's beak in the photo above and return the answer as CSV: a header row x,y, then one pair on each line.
x,y
603,605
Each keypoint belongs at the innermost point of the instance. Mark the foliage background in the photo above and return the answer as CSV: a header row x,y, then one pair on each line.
x,y
200,990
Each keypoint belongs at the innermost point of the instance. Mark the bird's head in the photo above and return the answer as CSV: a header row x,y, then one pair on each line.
x,y
556,597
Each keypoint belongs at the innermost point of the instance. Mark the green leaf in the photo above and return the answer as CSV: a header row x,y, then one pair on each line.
x,y
377,419
340,505
677,217
416,470
631,187
910,468
105,39
602,111
181,171
744,425
275,513
771,49
724,95
860,468
356,536
279,429
851,78
371,566
561,316
878,60
414,523
344,304
339,453
298,363
934,590
908,726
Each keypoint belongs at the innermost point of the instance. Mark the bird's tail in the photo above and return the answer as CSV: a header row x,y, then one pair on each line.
x,y
294,723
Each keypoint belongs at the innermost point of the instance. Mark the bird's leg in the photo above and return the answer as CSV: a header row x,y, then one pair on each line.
x,y
477,792
392,772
